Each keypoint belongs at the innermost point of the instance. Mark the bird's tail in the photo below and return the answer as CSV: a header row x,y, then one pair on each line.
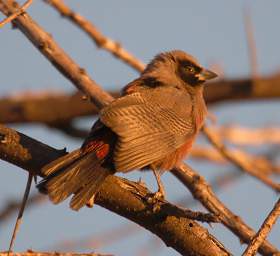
x,y
80,172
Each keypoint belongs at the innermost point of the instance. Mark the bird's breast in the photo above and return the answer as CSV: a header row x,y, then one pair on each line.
x,y
199,111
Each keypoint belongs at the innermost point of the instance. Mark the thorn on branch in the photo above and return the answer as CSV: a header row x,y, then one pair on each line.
x,y
83,71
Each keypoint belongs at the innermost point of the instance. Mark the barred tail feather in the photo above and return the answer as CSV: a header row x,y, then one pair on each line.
x,y
89,190
61,162
76,173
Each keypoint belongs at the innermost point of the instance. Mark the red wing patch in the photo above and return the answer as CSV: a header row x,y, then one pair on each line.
x,y
100,148
102,151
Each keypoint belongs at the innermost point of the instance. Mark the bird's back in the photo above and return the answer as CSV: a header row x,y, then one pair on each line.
x,y
151,124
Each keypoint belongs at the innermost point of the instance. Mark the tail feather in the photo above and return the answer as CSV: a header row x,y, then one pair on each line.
x,y
77,173
61,162
89,190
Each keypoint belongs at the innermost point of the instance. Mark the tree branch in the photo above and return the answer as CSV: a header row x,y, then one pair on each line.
x,y
13,205
16,14
68,106
56,55
100,40
126,198
33,253
264,231
241,163
202,191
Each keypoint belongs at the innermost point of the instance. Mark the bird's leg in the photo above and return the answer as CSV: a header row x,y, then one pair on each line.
x,y
160,194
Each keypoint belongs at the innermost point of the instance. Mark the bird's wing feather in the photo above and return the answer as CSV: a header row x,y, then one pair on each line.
x,y
149,126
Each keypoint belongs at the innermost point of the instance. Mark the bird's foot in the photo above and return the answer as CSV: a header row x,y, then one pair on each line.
x,y
159,195
156,200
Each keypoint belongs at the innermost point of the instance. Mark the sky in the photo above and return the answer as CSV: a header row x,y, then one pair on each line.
x,y
213,31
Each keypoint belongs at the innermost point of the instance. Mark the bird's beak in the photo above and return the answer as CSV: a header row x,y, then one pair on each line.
x,y
206,74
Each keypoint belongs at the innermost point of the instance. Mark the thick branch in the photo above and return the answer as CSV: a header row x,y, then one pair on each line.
x,y
99,39
243,89
33,253
56,55
202,191
27,153
126,198
69,106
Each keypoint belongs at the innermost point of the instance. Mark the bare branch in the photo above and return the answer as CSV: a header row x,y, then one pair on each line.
x,y
251,43
102,239
126,198
34,253
241,163
12,205
21,210
248,136
260,163
238,89
16,14
100,40
202,191
32,108
50,49
264,230
27,153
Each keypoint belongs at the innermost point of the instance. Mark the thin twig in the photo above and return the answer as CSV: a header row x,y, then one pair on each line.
x,y
100,40
102,239
264,230
13,205
251,43
16,14
20,214
57,56
241,163
249,136
260,162
203,192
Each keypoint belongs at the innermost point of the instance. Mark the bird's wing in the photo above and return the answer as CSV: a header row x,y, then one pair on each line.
x,y
150,125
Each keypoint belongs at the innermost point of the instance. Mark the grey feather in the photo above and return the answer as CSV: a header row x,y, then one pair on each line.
x,y
89,189
61,162
145,122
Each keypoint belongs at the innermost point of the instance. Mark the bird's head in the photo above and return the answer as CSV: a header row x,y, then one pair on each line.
x,y
176,68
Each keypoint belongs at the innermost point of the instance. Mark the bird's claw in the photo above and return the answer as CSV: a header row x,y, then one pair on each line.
x,y
156,200
159,195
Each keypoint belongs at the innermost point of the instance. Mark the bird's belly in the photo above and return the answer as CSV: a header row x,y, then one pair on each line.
x,y
174,159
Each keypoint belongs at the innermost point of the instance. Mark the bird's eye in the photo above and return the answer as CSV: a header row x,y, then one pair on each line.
x,y
190,69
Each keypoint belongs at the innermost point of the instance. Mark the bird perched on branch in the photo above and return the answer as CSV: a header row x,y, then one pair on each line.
x,y
151,126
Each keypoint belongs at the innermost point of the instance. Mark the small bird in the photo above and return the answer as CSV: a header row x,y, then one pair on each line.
x,y
151,126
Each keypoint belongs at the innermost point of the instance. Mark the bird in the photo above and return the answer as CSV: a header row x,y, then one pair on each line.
x,y
152,125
